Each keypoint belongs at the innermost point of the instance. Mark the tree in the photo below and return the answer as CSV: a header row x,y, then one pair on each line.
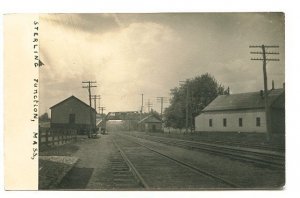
x,y
202,90
44,117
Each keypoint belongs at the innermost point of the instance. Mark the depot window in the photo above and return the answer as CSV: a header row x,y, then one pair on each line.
x,y
72,118
258,121
240,122
224,122
210,122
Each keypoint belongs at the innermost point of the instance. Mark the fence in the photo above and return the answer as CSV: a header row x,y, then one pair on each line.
x,y
49,136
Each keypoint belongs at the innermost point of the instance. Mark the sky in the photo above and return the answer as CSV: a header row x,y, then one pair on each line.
x,y
131,54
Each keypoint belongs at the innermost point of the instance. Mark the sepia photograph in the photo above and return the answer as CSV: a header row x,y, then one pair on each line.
x,y
161,101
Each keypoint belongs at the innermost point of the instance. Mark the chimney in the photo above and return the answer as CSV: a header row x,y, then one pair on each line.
x,y
273,87
261,93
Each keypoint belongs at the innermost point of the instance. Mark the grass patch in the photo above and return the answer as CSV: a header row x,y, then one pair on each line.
x,y
63,150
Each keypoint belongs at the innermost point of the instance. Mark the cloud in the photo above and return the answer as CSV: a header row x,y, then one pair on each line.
x,y
124,62
95,23
130,54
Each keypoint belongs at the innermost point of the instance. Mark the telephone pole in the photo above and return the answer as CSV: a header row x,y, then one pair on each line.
x,y
102,109
95,97
186,105
142,106
89,86
265,59
149,105
99,101
162,100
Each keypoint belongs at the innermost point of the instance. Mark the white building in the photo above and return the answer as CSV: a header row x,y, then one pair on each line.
x,y
244,112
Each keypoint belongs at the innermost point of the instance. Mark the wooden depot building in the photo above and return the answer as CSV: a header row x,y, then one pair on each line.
x,y
73,113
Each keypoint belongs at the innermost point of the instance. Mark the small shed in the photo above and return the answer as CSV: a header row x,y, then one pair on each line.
x,y
151,123
73,113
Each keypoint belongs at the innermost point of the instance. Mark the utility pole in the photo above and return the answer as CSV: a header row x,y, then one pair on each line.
x,y
99,102
265,59
89,86
142,103
149,105
192,110
186,105
141,113
102,109
162,100
95,97
187,109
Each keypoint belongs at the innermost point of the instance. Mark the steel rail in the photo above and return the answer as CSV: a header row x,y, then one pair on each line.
x,y
135,172
233,153
191,167
242,149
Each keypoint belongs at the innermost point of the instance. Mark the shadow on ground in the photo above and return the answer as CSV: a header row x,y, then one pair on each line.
x,y
77,178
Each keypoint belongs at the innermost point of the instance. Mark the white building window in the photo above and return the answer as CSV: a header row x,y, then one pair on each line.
x,y
240,122
210,123
224,122
258,121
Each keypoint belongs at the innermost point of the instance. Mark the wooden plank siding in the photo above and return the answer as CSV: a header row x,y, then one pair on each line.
x,y
72,113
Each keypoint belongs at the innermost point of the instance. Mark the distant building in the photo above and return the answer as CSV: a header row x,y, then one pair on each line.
x,y
244,112
73,113
150,124
122,121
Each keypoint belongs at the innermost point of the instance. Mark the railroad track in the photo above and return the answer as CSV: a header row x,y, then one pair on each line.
x,y
250,145
278,147
154,170
124,175
266,158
